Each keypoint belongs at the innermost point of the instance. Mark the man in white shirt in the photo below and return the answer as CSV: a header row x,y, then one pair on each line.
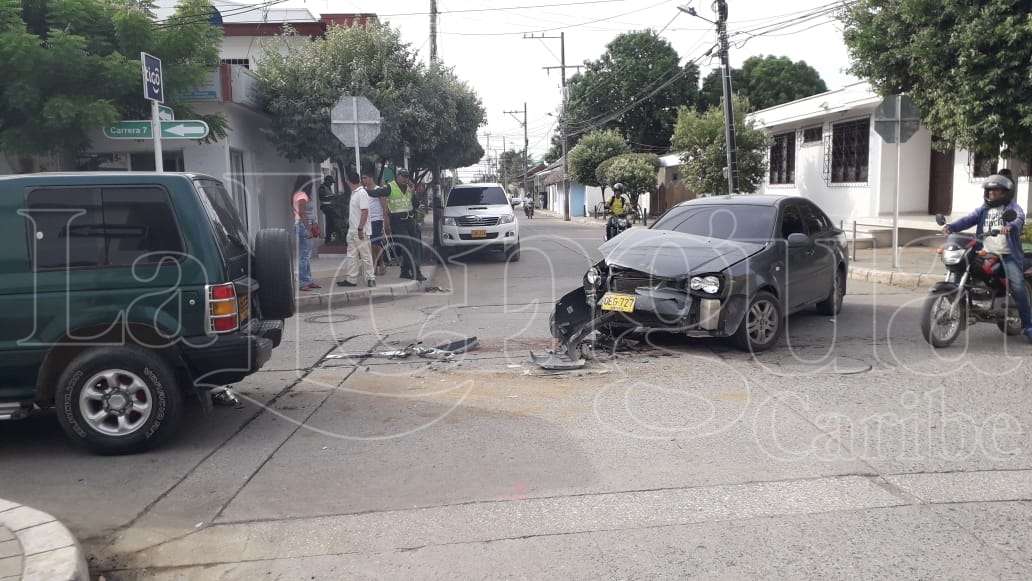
x,y
359,231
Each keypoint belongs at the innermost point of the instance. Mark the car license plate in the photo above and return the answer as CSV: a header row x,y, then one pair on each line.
x,y
618,302
478,233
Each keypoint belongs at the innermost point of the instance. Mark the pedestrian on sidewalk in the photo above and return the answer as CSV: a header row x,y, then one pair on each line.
x,y
307,229
404,230
377,211
360,230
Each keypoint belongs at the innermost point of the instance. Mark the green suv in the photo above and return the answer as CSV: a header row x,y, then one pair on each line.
x,y
121,294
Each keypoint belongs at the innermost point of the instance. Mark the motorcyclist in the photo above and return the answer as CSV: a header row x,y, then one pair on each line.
x,y
329,204
999,198
617,209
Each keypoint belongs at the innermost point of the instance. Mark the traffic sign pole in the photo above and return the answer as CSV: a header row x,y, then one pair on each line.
x,y
358,153
159,160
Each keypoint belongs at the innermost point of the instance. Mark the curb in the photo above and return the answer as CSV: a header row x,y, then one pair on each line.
x,y
910,280
48,549
308,303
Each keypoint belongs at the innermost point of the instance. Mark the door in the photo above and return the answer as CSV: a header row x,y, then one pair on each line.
x,y
796,259
822,268
940,188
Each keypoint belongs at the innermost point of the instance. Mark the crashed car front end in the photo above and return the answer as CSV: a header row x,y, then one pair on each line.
x,y
615,300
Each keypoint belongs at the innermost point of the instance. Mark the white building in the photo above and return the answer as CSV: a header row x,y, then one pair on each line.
x,y
826,148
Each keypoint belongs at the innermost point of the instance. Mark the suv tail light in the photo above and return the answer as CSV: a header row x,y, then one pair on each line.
x,y
223,310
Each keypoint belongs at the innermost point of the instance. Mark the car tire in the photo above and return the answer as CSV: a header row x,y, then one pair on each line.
x,y
762,325
832,305
274,252
513,254
121,380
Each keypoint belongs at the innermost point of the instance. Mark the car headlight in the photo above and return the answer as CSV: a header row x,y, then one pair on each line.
x,y
953,256
592,277
449,221
507,219
707,284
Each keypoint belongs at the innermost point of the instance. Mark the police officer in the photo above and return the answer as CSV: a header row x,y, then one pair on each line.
x,y
404,229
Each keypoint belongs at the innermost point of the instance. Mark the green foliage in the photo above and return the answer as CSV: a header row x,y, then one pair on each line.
x,y
765,81
636,171
633,62
965,64
595,148
701,137
429,109
511,165
72,66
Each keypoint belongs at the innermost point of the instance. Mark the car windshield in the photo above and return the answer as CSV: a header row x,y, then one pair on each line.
x,y
229,229
486,196
738,222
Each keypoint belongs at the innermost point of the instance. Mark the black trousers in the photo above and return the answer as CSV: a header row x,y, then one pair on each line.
x,y
405,236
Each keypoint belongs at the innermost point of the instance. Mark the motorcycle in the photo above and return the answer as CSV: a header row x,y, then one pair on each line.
x,y
975,290
528,207
616,225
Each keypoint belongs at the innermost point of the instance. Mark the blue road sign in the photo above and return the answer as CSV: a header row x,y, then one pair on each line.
x,y
153,84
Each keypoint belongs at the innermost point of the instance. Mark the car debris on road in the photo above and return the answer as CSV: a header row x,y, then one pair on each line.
x,y
443,352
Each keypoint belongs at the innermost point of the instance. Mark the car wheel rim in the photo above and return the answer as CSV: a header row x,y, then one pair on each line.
x,y
116,402
946,317
763,322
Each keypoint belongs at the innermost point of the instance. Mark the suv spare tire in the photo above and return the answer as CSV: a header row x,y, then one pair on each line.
x,y
274,252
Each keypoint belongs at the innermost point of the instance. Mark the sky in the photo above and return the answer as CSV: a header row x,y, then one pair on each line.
x,y
487,48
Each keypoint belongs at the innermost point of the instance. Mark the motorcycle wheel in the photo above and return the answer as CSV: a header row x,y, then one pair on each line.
x,y
1011,325
941,324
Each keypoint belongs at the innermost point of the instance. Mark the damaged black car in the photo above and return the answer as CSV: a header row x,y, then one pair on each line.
x,y
727,266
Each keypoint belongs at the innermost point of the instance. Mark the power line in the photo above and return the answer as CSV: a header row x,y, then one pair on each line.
x,y
502,8
187,19
615,16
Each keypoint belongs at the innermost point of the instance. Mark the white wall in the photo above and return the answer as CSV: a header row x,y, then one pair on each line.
x,y
252,48
967,189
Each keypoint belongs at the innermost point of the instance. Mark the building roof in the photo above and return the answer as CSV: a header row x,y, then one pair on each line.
x,y
671,160
264,19
858,96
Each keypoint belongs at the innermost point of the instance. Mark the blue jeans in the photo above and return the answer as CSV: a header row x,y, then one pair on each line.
x,y
1014,266
304,255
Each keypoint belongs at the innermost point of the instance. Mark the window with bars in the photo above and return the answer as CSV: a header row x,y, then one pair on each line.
x,y
813,135
850,151
983,166
246,63
782,159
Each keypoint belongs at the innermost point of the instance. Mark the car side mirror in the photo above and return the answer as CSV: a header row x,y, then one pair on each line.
x,y
1010,216
940,219
798,240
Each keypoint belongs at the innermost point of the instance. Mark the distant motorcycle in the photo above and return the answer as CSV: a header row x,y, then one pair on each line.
x,y
975,290
616,225
528,207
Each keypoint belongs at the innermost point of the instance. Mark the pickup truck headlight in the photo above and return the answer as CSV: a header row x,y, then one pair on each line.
x,y
449,221
507,219
707,284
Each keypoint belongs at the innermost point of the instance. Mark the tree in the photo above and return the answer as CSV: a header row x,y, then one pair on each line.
x,y
511,165
428,109
595,148
70,67
633,64
965,64
636,171
701,137
765,81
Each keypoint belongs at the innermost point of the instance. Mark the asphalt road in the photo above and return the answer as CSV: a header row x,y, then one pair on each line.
x,y
854,450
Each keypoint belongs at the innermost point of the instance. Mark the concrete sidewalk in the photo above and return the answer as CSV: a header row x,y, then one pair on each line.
x,y
919,267
330,268
36,546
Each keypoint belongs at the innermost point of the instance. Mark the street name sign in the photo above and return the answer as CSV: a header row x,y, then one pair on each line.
x,y
192,129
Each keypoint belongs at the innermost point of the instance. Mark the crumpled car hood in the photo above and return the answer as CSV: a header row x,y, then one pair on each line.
x,y
669,254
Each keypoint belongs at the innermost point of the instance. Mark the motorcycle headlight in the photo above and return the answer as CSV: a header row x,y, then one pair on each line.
x,y
507,219
951,257
592,277
449,221
707,284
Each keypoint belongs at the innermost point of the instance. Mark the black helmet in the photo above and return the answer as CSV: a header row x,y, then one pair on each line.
x,y
403,173
998,182
618,187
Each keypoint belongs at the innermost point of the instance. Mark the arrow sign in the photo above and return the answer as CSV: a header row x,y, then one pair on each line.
x,y
193,129
166,113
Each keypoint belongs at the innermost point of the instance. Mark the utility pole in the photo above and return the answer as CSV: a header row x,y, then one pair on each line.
x,y
433,31
526,146
562,116
729,114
